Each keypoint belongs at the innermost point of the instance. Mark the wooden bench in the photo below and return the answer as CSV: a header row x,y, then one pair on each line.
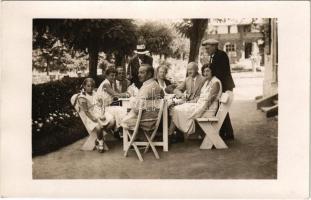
x,y
212,125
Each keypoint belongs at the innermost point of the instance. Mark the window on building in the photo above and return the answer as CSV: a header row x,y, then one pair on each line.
x,y
244,28
229,47
247,28
233,29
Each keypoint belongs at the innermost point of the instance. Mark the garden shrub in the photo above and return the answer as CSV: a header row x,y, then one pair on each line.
x,y
54,121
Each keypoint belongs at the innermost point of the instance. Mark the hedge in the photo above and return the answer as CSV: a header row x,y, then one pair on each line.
x,y
55,123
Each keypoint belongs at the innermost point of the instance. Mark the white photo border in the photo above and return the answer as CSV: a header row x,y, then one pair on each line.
x,y
294,100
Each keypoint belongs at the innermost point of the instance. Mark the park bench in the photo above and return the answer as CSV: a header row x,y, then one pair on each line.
x,y
89,144
212,125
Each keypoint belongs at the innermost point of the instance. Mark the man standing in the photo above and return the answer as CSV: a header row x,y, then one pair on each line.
x,y
140,58
219,63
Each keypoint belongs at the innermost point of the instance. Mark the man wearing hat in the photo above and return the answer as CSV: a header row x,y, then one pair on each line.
x,y
219,63
140,58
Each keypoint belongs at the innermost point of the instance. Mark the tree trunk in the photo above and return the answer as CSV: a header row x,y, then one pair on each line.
x,y
93,60
197,32
120,59
47,66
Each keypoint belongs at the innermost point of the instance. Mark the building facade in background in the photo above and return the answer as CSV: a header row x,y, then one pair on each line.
x,y
249,41
240,38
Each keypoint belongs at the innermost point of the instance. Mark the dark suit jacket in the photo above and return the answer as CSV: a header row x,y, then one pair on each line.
x,y
221,68
133,67
124,85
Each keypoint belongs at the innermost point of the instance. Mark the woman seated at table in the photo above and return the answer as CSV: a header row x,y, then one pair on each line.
x,y
106,91
161,77
183,115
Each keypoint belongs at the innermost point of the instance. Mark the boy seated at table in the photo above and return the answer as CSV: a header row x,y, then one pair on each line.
x,y
122,83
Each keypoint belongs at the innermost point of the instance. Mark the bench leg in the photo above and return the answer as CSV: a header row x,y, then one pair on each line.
x,y
212,134
206,144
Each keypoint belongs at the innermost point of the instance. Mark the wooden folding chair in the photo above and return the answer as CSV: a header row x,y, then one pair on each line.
x,y
89,144
150,142
212,125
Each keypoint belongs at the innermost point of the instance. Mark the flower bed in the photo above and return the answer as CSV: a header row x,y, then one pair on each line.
x,y
54,121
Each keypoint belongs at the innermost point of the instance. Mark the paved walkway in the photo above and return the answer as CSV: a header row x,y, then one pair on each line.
x,y
253,155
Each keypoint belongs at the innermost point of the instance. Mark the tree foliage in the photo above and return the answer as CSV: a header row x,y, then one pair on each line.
x,y
90,35
193,29
180,46
158,38
53,55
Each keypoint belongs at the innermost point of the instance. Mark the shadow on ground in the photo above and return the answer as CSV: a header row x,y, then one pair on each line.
x,y
252,155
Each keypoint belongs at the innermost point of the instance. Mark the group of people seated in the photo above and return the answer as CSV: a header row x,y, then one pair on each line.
x,y
197,96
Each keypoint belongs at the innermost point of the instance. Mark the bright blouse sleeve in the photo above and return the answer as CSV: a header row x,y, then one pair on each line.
x,y
208,100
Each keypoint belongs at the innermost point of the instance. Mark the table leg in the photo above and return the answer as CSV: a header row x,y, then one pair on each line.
x,y
125,139
165,127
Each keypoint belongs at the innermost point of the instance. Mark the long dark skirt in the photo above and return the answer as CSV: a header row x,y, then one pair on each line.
x,y
226,130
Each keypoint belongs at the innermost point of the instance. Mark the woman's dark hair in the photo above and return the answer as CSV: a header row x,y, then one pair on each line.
x,y
207,66
110,71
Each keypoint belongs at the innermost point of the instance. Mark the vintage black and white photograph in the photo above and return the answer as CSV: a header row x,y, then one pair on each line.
x,y
140,98
155,99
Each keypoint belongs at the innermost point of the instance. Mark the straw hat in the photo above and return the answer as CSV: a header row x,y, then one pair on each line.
x,y
141,49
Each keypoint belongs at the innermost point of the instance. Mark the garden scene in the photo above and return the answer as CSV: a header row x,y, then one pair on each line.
x,y
66,51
